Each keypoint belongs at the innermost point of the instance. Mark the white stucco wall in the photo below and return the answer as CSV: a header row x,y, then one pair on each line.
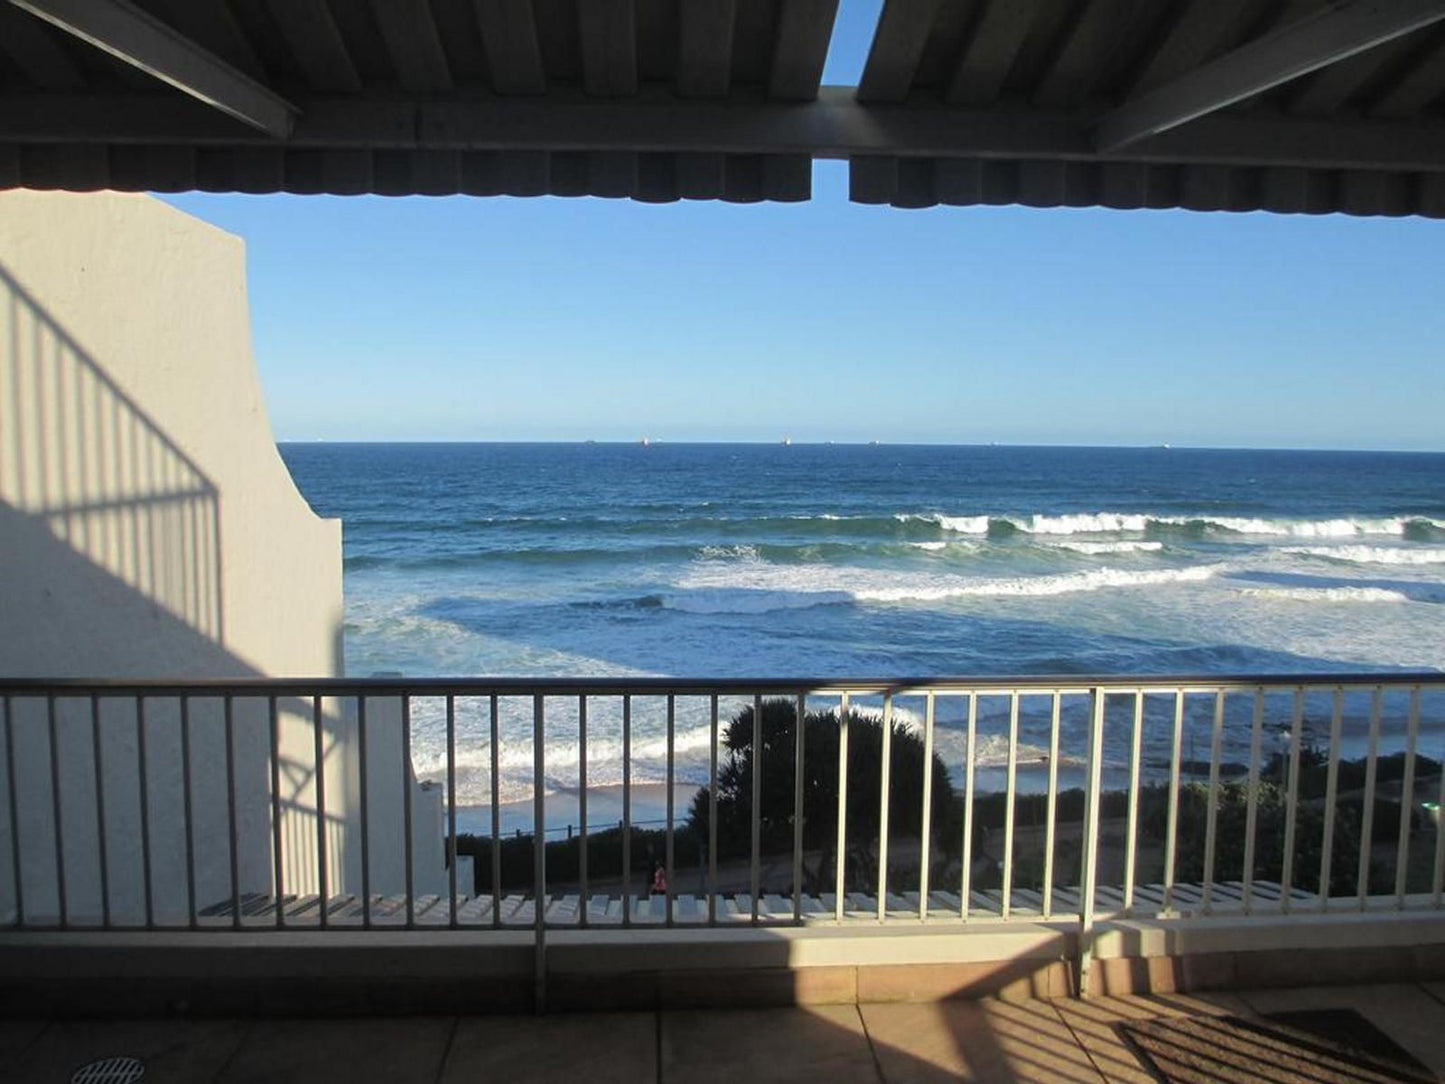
x,y
149,529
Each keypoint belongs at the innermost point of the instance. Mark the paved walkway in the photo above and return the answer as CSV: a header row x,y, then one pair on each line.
x,y
1072,1042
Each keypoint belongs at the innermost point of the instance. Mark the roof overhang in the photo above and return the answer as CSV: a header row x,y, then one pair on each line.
x,y
1303,105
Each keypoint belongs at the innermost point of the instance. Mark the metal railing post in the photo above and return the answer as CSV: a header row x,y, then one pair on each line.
x,y
840,863
885,763
1091,838
799,717
539,849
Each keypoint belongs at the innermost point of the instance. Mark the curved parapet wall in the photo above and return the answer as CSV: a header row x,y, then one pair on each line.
x,y
156,527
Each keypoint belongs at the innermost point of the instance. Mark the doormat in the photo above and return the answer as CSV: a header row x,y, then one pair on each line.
x,y
1329,1046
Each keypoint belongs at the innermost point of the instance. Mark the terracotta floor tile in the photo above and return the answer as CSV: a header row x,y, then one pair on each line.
x,y
821,1042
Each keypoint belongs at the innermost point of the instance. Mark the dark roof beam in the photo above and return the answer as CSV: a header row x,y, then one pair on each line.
x,y
1194,39
1330,88
36,52
990,53
835,126
1097,34
705,48
143,41
411,39
608,33
1416,88
898,42
509,36
800,48
316,43
1311,43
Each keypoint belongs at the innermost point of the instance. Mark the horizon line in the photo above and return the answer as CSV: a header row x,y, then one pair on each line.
x,y
651,441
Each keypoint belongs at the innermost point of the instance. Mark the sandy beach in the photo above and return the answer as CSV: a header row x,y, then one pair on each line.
x,y
604,810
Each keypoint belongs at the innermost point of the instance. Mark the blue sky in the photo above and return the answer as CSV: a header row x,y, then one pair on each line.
x,y
552,319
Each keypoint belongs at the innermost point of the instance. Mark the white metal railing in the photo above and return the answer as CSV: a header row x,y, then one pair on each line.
x,y
294,805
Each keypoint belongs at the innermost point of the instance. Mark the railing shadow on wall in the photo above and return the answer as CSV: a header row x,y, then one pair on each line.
x,y
111,543
82,455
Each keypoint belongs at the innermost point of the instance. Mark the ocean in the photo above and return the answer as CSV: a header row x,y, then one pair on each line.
x,y
719,560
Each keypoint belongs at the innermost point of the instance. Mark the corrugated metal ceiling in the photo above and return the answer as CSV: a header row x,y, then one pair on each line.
x,y
961,102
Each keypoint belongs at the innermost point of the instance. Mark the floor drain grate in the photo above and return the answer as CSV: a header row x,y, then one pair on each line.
x,y
110,1071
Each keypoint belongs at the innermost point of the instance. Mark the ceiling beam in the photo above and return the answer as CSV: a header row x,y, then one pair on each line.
x,y
834,126
1335,32
143,41
898,43
800,48
705,47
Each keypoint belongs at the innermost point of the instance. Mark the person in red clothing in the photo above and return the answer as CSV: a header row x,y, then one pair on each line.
x,y
659,881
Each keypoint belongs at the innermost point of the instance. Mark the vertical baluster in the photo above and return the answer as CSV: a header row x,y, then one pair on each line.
x,y
56,812
14,813
1091,837
276,854
1327,845
539,847
228,712
798,809
1171,830
840,864
1211,820
452,813
1407,797
755,872
406,809
100,832
1010,786
1131,832
1051,815
582,807
712,816
966,874
925,851
1256,732
627,810
495,713
318,753
365,819
1291,799
187,813
668,852
1367,815
883,783
1437,877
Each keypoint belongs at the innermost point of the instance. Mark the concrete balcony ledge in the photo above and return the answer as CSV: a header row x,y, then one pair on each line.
x,y
394,971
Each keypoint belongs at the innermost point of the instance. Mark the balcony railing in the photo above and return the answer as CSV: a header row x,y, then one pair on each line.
x,y
295,805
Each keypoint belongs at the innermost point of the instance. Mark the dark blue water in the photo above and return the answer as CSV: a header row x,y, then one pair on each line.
x,y
880,561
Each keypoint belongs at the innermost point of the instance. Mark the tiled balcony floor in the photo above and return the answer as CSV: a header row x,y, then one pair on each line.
x,y
987,1040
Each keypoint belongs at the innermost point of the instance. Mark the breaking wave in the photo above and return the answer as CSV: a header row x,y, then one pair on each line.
x,y
764,588
1094,548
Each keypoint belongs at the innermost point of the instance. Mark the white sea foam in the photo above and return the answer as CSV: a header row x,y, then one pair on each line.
x,y
1327,528
956,524
1138,523
932,547
1094,548
726,553
1037,586
1097,523
1373,555
1326,594
964,524
759,587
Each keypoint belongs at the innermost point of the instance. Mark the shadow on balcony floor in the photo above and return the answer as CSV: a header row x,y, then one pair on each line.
x,y
983,1040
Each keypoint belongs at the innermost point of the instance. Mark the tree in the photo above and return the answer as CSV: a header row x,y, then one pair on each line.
x,y
778,731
